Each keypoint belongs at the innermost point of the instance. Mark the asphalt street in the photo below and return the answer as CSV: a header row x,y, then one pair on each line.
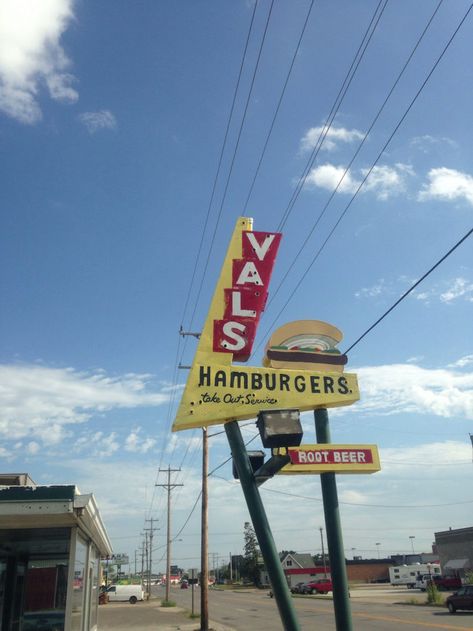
x,y
379,608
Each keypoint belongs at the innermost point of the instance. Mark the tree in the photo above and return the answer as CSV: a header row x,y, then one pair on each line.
x,y
250,569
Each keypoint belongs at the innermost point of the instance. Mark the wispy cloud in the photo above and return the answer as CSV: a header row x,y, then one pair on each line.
x,y
136,444
373,291
448,291
41,402
384,181
426,142
31,56
447,184
334,137
95,121
406,388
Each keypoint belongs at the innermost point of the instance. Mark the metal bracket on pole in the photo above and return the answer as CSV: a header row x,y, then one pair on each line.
x,y
270,468
184,333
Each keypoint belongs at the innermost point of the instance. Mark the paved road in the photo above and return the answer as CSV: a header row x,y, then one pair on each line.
x,y
372,610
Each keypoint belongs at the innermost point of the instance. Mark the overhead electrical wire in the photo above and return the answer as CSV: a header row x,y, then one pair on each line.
x,y
372,26
369,171
410,290
355,155
222,151
276,112
232,163
219,165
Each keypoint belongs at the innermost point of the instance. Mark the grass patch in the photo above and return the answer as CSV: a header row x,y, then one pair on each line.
x,y
168,603
194,615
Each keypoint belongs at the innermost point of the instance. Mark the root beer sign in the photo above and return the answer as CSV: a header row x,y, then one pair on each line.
x,y
324,458
302,367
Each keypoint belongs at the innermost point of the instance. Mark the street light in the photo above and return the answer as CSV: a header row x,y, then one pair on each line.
x,y
412,537
377,546
280,428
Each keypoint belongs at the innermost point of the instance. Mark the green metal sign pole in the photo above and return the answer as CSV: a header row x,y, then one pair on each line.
x,y
341,598
263,533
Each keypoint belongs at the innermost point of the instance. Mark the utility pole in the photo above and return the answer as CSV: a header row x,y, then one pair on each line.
x,y
142,560
204,562
323,551
146,556
169,487
150,568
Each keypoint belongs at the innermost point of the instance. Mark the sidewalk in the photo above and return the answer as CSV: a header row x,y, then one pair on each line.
x,y
148,616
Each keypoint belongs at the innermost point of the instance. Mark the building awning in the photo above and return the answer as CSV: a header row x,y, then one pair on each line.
x,y
457,564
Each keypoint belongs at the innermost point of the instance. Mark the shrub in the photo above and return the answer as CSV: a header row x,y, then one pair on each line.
x,y
433,595
168,603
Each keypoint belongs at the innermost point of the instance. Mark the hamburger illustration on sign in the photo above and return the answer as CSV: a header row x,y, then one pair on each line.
x,y
305,345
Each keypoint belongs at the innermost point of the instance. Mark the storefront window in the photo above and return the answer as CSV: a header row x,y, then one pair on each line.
x,y
33,579
78,586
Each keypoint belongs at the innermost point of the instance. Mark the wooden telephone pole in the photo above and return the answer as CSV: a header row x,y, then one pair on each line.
x,y
169,488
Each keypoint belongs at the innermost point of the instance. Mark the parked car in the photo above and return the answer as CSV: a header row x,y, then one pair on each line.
x,y
123,593
299,588
321,586
462,599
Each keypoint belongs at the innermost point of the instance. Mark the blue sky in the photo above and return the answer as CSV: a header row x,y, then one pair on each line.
x,y
112,119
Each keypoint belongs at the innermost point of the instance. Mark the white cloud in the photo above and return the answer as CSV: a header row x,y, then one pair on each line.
x,y
31,56
448,292
136,444
371,292
404,388
424,143
95,121
32,448
383,181
41,402
335,135
447,184
329,176
460,287
462,362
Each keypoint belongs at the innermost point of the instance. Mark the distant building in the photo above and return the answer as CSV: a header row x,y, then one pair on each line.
x,y
300,568
455,548
51,541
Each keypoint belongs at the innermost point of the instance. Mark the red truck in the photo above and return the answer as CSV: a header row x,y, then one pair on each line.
x,y
448,583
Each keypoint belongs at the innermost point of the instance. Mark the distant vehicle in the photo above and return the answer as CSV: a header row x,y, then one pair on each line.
x,y
447,582
422,581
299,588
123,593
462,599
407,574
184,584
321,586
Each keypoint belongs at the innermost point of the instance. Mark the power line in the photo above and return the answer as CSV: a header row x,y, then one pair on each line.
x,y
268,136
342,215
232,163
372,26
355,155
222,151
411,289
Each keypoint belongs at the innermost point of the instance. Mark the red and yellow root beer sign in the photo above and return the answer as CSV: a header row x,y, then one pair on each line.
x,y
218,391
323,458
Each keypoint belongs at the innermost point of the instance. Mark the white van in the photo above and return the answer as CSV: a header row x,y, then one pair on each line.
x,y
123,593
